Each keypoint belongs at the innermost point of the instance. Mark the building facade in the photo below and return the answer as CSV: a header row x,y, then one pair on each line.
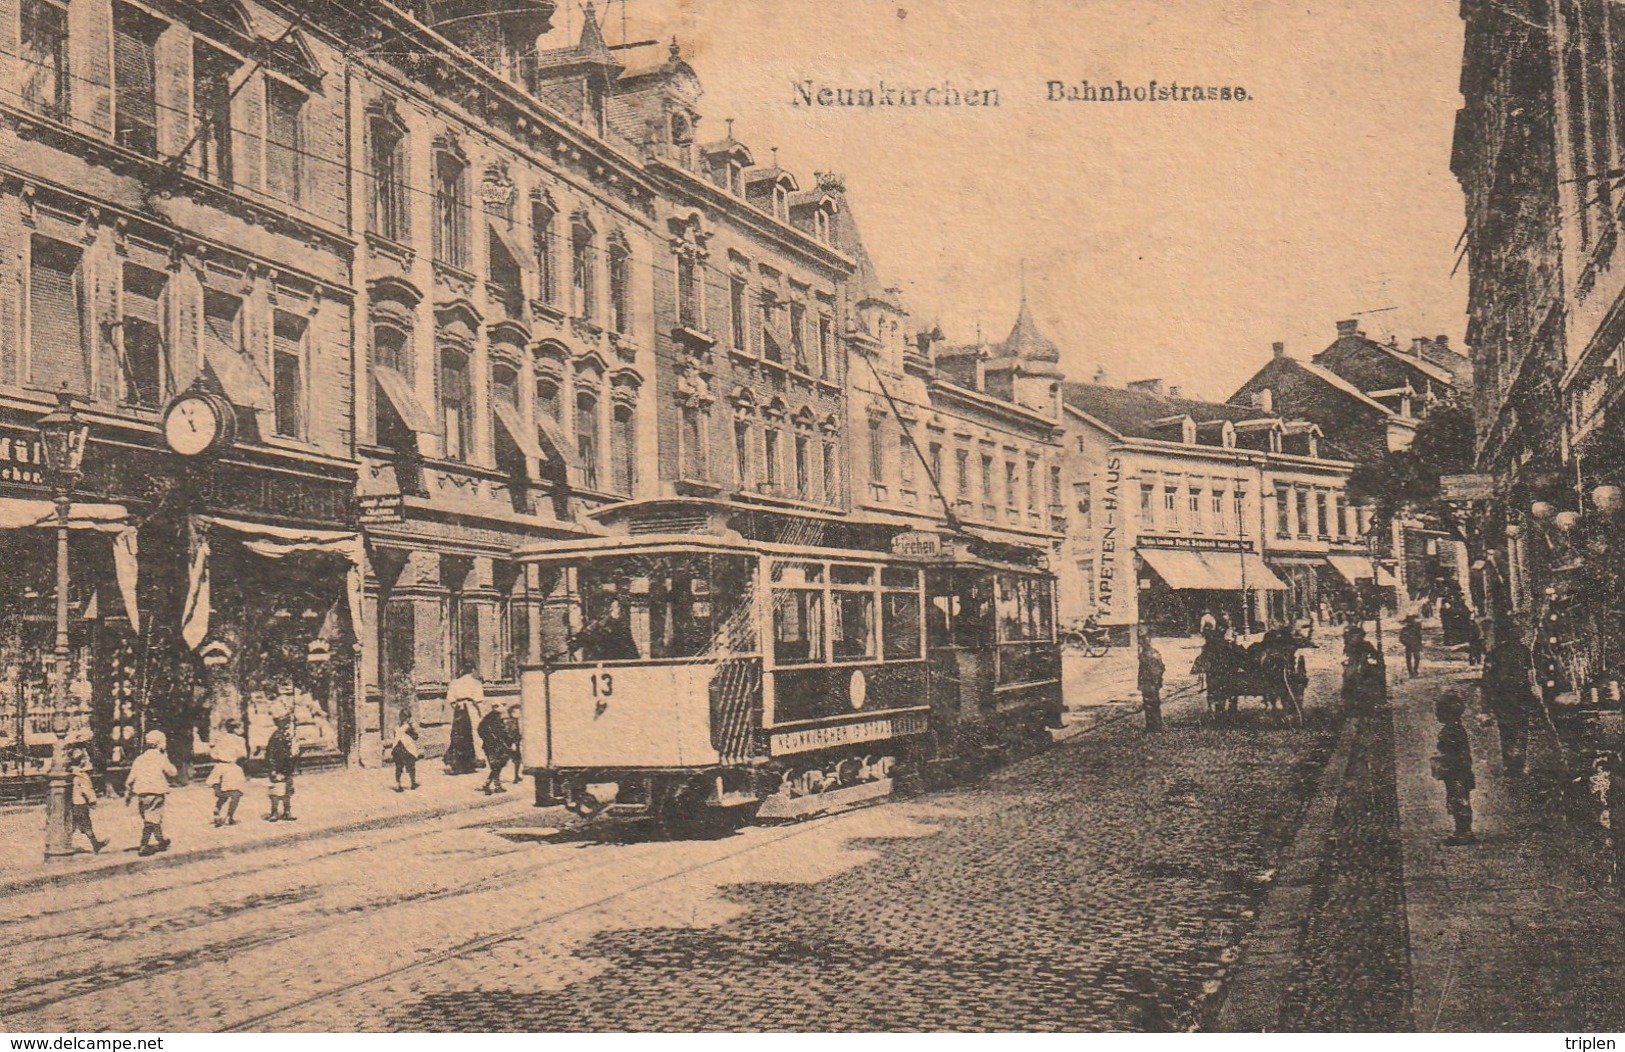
x,y
173,192
1180,507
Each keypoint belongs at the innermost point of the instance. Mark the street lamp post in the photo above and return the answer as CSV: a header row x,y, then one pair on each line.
x,y
63,433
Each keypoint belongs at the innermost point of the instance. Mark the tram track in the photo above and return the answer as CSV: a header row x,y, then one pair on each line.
x,y
588,870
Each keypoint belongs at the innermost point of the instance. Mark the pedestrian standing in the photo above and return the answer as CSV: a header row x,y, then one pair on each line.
x,y
516,743
406,750
1506,694
494,737
228,778
1410,637
281,763
1150,682
464,695
148,786
83,798
1453,765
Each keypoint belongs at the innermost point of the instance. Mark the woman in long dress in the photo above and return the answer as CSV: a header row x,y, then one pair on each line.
x,y
460,753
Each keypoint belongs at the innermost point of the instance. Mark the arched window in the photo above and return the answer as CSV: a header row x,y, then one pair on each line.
x,y
505,383
583,244
623,450
548,403
456,408
450,208
587,438
620,285
696,463
387,156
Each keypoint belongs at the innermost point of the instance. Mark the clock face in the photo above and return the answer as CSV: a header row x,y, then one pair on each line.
x,y
191,426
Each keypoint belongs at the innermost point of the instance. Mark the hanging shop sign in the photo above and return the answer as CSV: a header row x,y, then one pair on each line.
x,y
1467,487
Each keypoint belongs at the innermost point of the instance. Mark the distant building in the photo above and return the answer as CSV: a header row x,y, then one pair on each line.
x,y
1179,506
1367,397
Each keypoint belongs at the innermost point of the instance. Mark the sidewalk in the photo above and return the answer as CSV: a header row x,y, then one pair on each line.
x,y
325,803
1508,934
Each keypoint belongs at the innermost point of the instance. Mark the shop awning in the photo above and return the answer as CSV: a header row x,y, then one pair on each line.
x,y
399,392
1357,568
271,542
508,417
1180,570
1242,569
20,514
1352,568
242,382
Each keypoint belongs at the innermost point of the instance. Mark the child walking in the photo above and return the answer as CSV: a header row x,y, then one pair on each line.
x,y
84,797
149,786
1453,765
228,779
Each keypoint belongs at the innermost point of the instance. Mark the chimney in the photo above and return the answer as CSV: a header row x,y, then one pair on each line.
x,y
1100,375
1147,386
1417,345
1348,328
1264,400
1442,342
1278,349
1173,391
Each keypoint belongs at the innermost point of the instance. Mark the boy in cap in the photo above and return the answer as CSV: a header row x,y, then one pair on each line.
x,y
148,785
1453,765
281,761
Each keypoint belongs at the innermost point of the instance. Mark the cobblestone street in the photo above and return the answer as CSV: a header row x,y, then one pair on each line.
x,y
1105,884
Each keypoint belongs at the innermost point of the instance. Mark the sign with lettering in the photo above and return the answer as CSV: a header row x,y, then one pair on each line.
x,y
381,509
21,460
1106,564
918,543
900,725
1203,544
1467,487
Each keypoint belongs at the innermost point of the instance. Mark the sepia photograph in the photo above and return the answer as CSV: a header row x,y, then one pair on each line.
x,y
874,517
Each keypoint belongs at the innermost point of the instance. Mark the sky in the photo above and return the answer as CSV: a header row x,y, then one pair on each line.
x,y
1160,239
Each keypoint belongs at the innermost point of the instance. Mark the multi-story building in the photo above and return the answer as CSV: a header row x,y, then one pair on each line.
x,y
1179,506
510,249
175,198
1367,398
982,422
1505,159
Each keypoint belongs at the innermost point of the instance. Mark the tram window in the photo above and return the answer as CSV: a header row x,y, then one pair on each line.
x,y
940,619
661,607
854,630
841,574
1025,612
899,577
900,626
798,573
798,626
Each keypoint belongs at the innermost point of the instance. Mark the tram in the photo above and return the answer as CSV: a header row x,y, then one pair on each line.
x,y
684,675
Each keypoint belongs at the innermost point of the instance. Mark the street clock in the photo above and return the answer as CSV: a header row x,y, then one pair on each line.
x,y
199,422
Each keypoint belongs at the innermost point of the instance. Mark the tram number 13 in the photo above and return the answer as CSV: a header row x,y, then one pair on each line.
x,y
603,685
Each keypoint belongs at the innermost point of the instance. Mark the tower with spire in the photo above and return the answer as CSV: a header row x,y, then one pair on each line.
x,y
1024,367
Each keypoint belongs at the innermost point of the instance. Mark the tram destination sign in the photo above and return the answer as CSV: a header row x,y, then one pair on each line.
x,y
874,730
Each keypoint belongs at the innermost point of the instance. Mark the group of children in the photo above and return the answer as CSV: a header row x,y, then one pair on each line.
x,y
152,776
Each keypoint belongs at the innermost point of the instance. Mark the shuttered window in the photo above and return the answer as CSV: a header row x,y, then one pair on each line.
x,y
288,373
142,345
211,112
57,348
455,411
220,333
284,140
44,57
135,81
